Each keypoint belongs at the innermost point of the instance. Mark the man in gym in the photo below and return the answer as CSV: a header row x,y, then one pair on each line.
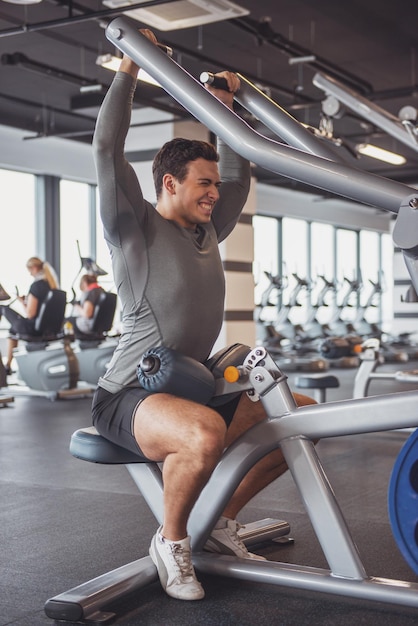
x,y
171,284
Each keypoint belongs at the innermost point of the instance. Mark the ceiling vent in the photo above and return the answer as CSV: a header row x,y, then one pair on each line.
x,y
181,14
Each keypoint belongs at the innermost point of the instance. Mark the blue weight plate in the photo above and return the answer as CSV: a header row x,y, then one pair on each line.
x,y
403,501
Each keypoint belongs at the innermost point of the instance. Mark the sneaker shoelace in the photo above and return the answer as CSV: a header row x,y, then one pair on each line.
x,y
182,562
233,533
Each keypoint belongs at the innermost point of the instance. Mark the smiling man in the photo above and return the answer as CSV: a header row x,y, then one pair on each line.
x,y
170,281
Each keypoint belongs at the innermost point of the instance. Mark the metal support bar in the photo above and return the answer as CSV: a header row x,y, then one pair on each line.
x,y
310,579
366,109
324,512
88,601
148,478
319,172
281,122
289,162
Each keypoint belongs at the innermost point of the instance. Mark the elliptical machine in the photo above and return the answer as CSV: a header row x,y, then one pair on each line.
x,y
46,363
94,351
4,399
279,336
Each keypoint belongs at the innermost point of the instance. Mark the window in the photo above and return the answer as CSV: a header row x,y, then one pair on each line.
x,y
347,271
266,259
387,281
323,293
370,275
295,266
323,265
74,227
18,228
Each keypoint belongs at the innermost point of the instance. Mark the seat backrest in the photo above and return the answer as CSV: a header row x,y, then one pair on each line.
x,y
104,313
50,318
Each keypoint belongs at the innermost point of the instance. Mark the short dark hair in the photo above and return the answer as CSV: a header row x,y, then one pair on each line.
x,y
88,279
175,156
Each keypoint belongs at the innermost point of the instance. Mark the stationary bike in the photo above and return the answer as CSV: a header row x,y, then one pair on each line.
x,y
46,363
95,349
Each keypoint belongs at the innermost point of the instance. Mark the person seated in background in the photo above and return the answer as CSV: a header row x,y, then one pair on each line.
x,y
82,317
44,279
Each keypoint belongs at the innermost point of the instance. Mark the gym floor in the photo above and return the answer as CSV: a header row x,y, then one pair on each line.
x,y
63,522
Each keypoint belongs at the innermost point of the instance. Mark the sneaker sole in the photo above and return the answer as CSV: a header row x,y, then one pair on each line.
x,y
159,564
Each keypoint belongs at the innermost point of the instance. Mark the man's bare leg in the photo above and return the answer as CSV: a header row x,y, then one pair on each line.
x,y
189,438
11,345
269,468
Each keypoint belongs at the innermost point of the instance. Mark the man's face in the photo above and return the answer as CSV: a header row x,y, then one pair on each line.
x,y
196,196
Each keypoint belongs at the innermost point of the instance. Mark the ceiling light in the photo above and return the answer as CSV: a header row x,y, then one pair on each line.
x,y
379,153
181,14
110,62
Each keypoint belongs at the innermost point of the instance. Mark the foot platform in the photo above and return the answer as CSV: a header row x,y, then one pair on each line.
x,y
89,603
264,530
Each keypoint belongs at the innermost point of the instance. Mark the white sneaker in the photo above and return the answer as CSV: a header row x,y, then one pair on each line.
x,y
175,570
224,539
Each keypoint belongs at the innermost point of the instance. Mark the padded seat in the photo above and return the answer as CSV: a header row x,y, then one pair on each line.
x,y
86,444
104,313
48,323
318,383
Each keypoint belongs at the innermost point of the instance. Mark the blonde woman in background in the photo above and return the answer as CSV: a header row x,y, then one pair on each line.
x,y
44,279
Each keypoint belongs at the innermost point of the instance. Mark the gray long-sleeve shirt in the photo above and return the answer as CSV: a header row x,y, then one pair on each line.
x,y
170,280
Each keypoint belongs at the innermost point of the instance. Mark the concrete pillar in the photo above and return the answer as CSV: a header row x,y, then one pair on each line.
x,y
237,253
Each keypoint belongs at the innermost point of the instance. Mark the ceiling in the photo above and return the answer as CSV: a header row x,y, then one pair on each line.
x,y
51,85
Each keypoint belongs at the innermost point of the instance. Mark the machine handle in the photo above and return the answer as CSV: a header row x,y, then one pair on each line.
x,y
218,82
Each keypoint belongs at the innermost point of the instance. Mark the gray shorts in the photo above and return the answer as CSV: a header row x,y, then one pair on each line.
x,y
113,414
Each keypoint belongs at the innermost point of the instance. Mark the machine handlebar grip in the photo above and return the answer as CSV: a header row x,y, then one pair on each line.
x,y
218,82
166,49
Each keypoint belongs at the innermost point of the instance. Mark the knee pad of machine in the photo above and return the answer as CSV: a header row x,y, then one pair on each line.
x,y
164,370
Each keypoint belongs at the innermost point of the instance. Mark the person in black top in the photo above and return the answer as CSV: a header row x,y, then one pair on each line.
x,y
44,279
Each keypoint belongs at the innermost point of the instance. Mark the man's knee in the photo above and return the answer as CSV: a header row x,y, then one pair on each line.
x,y
302,400
208,432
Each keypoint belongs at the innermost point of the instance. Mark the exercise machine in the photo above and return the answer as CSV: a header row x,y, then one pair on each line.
x,y
371,357
403,127
87,266
5,399
47,366
313,328
280,335
291,428
95,349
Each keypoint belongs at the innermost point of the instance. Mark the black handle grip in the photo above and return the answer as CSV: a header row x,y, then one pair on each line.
x,y
218,82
